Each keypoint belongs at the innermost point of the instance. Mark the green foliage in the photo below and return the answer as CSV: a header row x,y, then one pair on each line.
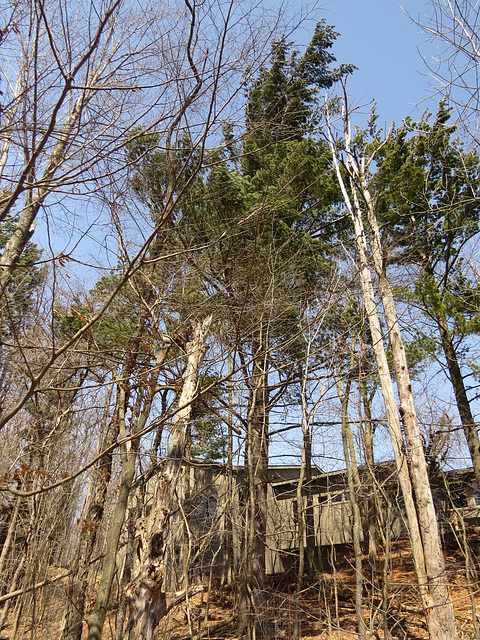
x,y
207,436
281,102
208,440
20,297
250,228
427,187
251,225
105,341
419,351
154,168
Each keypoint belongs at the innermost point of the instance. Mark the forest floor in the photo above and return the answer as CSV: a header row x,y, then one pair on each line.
x,y
324,611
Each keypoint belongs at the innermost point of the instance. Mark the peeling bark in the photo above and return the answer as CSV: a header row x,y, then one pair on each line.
x,y
146,592
410,459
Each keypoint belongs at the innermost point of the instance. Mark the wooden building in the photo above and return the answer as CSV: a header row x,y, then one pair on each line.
x,y
209,521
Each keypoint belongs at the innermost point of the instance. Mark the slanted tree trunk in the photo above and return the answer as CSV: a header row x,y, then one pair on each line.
x,y
386,383
422,521
128,455
147,596
440,615
9,540
461,397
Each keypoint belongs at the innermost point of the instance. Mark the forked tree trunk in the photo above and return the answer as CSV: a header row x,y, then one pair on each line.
x,y
392,413
422,521
147,596
440,615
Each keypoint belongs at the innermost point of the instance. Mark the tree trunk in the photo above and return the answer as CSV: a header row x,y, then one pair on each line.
x,y
128,457
148,602
305,526
386,384
89,523
463,404
423,526
440,615
353,482
97,618
9,539
228,570
252,605
367,439
134,514
307,461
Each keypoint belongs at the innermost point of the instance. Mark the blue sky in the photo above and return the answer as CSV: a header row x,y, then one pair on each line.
x,y
383,42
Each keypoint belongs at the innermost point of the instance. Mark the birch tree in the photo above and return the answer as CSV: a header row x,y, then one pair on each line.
x,y
409,455
426,187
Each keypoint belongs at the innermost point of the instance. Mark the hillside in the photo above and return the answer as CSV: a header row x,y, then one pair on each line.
x,y
325,609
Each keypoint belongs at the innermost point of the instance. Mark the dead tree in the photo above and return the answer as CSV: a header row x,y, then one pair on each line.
x,y
409,454
148,599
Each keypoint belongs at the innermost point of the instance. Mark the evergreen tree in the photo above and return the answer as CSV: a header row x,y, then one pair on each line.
x,y
251,250
427,186
18,305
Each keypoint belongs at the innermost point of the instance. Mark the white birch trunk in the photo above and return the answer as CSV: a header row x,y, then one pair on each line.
x,y
440,615
421,517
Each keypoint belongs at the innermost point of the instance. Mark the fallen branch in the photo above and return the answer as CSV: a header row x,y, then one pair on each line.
x,y
39,585
214,628
181,596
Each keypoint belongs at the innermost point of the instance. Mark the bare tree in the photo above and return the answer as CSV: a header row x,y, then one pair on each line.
x,y
409,453
148,603
454,25
79,85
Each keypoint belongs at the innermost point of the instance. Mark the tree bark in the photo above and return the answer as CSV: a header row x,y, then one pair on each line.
x,y
305,526
423,525
353,483
128,456
252,596
90,521
440,615
461,397
148,602
367,438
